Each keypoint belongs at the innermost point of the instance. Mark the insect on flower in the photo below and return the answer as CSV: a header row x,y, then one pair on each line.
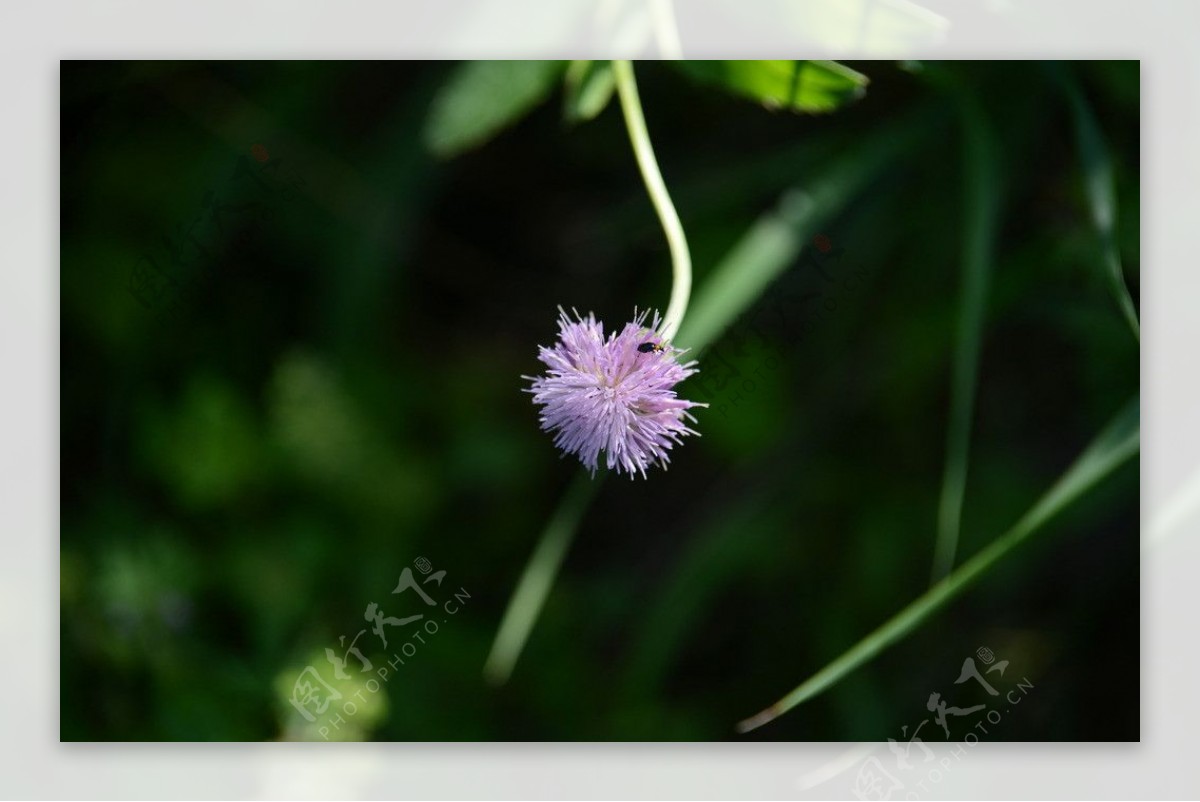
x,y
601,395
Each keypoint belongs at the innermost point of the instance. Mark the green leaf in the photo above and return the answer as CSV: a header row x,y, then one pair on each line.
x,y
589,87
483,97
1118,442
810,86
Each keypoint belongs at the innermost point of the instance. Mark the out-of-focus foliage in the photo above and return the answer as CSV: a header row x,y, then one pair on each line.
x,y
483,97
292,341
812,86
588,88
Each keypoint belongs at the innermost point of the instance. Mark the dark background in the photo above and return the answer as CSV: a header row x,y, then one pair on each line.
x,y
333,390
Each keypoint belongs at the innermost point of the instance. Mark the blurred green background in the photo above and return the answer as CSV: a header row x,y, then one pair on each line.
x,y
292,339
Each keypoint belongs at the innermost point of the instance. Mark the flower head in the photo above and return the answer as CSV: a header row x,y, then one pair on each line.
x,y
613,395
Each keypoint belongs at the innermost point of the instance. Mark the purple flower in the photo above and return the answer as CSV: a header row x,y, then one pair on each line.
x,y
613,395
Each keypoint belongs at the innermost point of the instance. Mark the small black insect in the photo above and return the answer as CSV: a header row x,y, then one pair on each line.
x,y
646,348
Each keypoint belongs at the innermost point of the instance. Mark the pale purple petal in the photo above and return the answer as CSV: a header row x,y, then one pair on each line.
x,y
606,396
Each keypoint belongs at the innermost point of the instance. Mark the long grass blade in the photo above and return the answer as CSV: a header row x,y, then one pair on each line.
x,y
1115,444
982,208
1101,195
538,577
776,239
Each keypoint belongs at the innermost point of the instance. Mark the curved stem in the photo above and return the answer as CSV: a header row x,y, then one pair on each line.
x,y
681,260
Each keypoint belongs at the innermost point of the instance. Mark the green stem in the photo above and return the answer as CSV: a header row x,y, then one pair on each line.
x,y
681,260
537,579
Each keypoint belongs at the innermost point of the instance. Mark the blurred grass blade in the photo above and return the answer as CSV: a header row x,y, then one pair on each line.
x,y
1101,196
1115,444
719,551
809,86
534,585
483,97
589,87
777,238
982,204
